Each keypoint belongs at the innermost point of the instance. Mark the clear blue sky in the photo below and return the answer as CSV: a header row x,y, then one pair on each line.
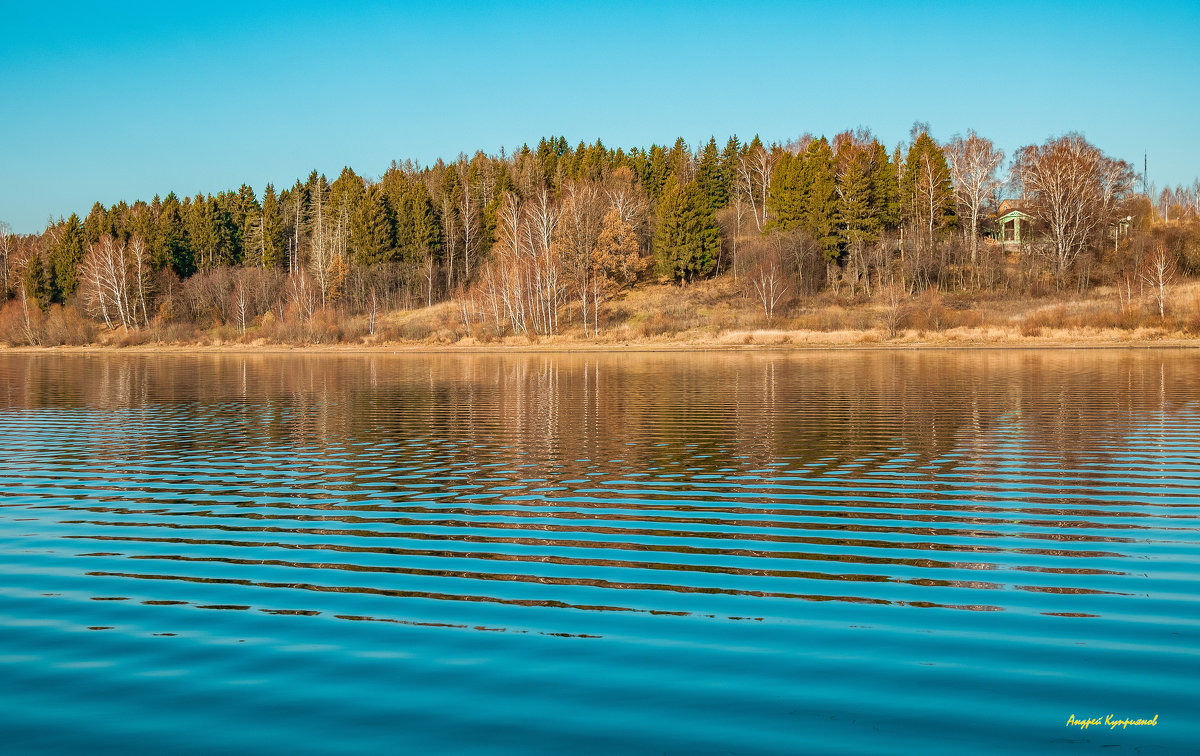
x,y
122,101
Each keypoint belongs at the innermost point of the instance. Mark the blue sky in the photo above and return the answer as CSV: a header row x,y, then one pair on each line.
x,y
111,103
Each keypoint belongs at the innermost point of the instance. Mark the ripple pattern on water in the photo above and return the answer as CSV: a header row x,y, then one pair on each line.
x,y
679,553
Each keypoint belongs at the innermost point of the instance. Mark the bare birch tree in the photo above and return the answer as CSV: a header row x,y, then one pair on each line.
x,y
139,258
468,213
105,277
754,173
579,231
7,250
1075,191
1158,274
769,281
974,163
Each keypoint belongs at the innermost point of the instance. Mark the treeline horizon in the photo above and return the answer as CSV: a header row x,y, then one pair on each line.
x,y
542,239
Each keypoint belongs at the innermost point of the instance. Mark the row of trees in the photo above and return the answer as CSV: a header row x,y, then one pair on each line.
x,y
533,240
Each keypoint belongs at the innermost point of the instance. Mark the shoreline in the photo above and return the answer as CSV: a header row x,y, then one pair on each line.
x,y
639,347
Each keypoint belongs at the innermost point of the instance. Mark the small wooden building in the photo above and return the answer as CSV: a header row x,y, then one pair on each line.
x,y
1013,224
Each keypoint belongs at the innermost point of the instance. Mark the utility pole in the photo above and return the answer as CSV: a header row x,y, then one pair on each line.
x,y
1145,176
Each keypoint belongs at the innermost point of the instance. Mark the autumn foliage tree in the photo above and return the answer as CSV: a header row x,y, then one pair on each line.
x,y
1076,193
617,259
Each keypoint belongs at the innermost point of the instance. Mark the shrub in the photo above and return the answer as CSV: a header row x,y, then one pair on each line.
x,y
65,326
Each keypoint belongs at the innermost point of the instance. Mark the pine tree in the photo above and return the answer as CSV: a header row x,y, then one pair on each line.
x,y
820,202
708,176
687,240
788,192
885,188
928,196
65,258
170,249
39,285
243,210
426,232
728,169
273,250
344,196
209,230
679,162
371,229
858,216
654,172
95,225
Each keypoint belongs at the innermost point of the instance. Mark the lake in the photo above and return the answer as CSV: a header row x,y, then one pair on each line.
x,y
682,553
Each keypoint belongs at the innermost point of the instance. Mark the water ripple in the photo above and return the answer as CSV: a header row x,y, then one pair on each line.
x,y
654,553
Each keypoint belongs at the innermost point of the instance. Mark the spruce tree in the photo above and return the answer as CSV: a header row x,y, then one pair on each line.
x,y
708,176
687,239
858,218
426,231
655,172
95,225
66,257
273,251
820,201
344,196
679,161
371,229
171,249
38,283
885,188
928,195
789,189
243,210
729,165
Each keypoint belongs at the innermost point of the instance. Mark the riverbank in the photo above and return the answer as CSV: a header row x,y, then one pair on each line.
x,y
733,342
710,315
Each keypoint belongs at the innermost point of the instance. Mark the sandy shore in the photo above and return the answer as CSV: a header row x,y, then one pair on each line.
x,y
756,341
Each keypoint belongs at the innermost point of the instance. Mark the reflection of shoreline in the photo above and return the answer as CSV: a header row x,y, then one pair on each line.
x,y
861,406
572,347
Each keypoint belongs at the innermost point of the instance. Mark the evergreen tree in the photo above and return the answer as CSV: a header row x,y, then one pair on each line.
x,y
95,225
118,225
225,229
708,176
655,172
371,229
139,222
39,284
170,248
492,205
789,191
66,257
820,202
687,240
243,211
263,241
885,188
858,216
344,196
679,162
728,168
928,196
426,232
209,231
273,251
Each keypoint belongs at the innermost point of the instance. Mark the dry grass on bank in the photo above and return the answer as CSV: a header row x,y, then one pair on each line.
x,y
711,313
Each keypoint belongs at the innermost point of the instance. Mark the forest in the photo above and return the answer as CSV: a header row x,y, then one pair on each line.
x,y
555,240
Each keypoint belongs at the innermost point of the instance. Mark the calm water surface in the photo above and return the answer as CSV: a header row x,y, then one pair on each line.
x,y
938,552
